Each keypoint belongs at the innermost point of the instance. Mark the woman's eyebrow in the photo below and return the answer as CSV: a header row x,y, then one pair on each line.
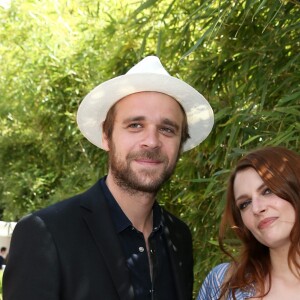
x,y
261,187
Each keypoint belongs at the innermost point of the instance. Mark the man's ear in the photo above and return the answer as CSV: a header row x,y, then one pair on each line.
x,y
105,142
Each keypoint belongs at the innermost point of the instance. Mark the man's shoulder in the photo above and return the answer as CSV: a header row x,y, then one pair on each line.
x,y
170,218
63,218
73,200
69,206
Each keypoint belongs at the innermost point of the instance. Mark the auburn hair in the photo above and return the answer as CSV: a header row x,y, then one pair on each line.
x,y
279,168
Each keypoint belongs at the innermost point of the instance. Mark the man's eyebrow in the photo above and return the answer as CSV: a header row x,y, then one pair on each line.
x,y
133,119
165,121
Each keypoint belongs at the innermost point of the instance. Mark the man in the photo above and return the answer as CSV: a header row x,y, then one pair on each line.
x,y
114,241
2,256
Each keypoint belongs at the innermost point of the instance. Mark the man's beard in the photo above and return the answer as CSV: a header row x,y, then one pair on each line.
x,y
147,180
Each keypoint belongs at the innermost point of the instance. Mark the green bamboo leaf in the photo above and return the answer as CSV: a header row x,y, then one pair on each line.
x,y
144,6
198,43
250,140
288,98
288,110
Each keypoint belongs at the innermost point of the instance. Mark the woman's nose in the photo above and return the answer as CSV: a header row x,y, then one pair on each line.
x,y
258,205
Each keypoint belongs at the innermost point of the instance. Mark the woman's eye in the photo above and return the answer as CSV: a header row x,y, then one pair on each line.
x,y
244,204
267,191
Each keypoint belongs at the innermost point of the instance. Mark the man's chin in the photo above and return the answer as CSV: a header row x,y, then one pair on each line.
x,y
140,184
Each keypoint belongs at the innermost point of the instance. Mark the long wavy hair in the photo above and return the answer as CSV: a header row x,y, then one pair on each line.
x,y
279,168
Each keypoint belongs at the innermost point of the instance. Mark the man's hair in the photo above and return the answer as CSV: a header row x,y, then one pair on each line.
x,y
108,124
3,249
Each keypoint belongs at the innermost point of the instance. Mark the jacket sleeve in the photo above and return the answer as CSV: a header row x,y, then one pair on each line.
x,y
180,246
32,270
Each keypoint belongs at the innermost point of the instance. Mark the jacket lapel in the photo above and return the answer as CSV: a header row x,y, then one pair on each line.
x,y
96,214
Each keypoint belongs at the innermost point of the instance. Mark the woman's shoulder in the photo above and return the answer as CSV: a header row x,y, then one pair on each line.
x,y
211,285
219,271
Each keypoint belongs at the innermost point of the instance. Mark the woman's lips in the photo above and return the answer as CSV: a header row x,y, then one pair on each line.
x,y
266,222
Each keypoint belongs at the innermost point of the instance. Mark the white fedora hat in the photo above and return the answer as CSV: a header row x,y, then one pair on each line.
x,y
148,75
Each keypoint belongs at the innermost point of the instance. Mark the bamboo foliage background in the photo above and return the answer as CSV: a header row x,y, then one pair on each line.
x,y
243,56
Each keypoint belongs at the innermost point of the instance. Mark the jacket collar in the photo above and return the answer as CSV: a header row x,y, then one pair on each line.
x,y
96,214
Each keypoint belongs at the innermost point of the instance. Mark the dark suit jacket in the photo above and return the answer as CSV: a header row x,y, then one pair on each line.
x,y
70,251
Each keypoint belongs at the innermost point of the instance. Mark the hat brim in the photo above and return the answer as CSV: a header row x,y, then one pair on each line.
x,y
94,107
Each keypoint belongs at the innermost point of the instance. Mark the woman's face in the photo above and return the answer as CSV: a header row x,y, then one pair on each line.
x,y
269,217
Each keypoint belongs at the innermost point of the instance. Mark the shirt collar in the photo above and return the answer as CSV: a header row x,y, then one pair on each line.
x,y
120,220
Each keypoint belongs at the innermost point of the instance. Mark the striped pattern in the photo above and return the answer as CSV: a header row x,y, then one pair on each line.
x,y
210,289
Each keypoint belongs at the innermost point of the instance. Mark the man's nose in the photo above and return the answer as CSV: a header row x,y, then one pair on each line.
x,y
151,138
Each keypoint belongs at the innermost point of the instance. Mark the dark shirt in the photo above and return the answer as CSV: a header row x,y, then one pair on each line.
x,y
161,286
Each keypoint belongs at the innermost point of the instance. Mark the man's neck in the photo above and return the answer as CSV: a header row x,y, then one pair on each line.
x,y
137,206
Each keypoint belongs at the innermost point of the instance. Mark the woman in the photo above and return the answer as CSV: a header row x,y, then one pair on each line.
x,y
263,211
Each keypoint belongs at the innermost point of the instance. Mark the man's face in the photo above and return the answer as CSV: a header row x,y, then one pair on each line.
x,y
145,143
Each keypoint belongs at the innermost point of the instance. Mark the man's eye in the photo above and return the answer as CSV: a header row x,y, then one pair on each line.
x,y
135,125
168,130
244,204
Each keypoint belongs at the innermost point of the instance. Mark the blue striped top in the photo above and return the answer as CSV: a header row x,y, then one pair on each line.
x,y
211,286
